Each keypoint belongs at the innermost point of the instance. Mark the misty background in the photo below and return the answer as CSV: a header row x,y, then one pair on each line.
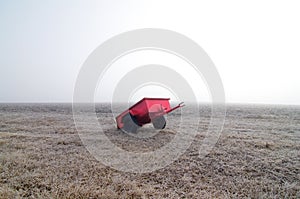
x,y
255,45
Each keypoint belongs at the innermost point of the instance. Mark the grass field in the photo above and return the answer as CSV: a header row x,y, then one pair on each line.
x,y
257,156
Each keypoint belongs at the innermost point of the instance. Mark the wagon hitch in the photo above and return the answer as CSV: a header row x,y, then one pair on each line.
x,y
181,104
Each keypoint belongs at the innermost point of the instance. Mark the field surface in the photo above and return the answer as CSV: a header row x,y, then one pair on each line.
x,y
256,156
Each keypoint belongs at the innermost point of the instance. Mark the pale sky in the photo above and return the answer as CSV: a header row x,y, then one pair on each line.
x,y
255,45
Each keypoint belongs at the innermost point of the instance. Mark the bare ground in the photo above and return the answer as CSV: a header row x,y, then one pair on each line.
x,y
257,156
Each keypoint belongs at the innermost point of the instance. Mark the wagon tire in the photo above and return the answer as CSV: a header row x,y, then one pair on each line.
x,y
129,125
159,123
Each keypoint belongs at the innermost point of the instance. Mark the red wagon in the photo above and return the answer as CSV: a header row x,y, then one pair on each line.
x,y
145,111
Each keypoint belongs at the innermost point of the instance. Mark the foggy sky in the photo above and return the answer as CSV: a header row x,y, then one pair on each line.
x,y
255,45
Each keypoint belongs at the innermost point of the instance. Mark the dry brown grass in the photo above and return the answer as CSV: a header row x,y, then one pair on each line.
x,y
257,156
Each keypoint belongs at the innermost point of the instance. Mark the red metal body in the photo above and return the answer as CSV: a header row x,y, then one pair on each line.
x,y
146,110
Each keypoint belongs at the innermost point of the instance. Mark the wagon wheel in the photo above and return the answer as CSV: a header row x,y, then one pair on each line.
x,y
129,125
159,122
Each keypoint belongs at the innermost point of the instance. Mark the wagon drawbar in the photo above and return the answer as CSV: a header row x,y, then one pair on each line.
x,y
147,110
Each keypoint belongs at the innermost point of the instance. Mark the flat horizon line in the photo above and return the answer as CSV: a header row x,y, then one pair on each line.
x,y
226,103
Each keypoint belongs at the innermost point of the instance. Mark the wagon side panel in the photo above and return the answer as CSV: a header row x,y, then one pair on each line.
x,y
140,112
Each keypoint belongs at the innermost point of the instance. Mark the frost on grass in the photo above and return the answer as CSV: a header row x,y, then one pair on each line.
x,y
257,156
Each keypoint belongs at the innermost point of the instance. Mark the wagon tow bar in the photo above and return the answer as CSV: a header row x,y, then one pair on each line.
x,y
181,104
